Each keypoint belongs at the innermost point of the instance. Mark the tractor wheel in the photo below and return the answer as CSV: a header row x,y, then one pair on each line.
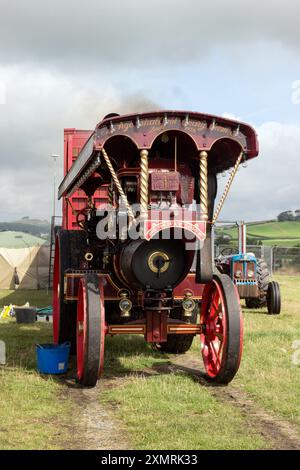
x,y
90,330
67,256
222,336
179,344
273,298
263,279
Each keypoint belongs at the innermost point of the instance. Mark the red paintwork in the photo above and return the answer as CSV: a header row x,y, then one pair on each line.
x,y
72,286
183,219
156,327
225,138
189,285
74,140
126,125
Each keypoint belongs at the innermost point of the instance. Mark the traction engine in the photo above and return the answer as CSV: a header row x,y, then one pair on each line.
x,y
134,255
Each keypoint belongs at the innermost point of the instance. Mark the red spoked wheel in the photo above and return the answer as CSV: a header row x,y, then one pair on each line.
x,y
90,330
222,335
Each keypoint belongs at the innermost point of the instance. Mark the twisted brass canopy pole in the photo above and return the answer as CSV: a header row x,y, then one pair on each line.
x,y
117,183
227,187
110,193
203,185
144,181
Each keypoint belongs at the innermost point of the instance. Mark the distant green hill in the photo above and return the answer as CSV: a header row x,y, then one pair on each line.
x,y
19,240
268,233
35,227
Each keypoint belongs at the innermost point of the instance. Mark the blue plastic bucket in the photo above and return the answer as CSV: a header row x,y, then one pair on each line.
x,y
52,358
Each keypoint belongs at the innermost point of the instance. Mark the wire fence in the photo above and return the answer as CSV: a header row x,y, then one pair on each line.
x,y
280,259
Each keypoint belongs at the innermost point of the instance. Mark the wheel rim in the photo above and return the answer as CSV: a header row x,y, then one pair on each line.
x,y
56,293
214,336
102,329
81,328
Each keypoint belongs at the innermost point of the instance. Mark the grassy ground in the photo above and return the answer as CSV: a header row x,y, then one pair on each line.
x,y
267,371
33,411
169,410
36,298
160,410
167,405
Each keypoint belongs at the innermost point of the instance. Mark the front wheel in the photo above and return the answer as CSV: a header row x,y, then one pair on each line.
x,y
90,330
222,335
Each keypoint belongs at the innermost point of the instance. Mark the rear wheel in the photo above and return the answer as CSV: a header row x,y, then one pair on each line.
x,y
222,336
273,298
263,279
90,330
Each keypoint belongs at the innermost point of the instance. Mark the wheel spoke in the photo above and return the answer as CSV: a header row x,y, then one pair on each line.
x,y
220,336
217,312
216,354
216,302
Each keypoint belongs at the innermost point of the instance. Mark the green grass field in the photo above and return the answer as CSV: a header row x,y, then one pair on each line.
x,y
36,298
160,406
269,233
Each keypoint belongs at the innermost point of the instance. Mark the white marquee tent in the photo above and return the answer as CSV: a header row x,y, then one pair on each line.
x,y
24,261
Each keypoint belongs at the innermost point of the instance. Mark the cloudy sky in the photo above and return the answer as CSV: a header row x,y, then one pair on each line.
x,y
67,63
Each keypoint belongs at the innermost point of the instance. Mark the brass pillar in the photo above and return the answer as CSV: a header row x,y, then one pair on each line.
x,y
203,185
144,181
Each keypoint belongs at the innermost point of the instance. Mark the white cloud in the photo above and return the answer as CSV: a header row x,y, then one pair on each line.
x,y
270,183
39,106
139,33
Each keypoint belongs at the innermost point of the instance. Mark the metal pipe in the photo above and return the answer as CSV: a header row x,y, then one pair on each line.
x,y
227,187
242,238
203,185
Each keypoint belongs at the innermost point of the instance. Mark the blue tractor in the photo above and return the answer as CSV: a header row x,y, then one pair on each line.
x,y
250,275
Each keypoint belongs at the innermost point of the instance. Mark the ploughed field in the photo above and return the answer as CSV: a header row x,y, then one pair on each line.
x,y
150,400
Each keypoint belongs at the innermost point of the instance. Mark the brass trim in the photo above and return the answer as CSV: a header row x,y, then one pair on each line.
x,y
157,254
88,256
144,181
203,185
117,183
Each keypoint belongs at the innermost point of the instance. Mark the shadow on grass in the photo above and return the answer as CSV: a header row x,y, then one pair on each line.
x,y
124,356
257,311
